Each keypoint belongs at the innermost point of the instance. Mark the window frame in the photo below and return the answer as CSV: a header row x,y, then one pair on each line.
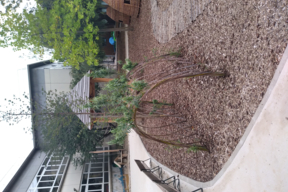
x,y
49,161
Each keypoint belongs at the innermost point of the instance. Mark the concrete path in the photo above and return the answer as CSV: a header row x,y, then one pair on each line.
x,y
260,160
139,182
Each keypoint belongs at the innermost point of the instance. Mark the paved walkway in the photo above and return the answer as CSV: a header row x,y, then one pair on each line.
x,y
168,23
139,182
260,160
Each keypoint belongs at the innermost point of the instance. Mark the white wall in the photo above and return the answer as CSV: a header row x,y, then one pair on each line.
x,y
72,178
58,79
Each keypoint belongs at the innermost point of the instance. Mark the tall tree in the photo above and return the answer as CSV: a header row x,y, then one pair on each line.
x,y
56,126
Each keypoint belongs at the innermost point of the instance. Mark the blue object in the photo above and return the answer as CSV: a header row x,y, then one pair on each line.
x,y
111,41
121,178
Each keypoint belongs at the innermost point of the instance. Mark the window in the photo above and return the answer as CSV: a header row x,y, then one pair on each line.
x,y
96,173
50,174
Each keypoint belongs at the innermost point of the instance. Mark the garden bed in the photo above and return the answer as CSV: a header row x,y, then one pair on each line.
x,y
245,38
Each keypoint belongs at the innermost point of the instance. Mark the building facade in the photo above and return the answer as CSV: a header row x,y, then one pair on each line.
x,y
42,172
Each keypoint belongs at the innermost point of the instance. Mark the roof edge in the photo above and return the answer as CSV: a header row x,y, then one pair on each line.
x,y
20,170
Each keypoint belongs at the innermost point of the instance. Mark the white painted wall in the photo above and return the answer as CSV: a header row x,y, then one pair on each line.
x,y
57,78
73,178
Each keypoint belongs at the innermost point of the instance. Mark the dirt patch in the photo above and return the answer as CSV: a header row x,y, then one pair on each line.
x,y
246,38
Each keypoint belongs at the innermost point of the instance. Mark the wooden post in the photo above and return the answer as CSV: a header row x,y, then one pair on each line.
x,y
108,119
97,80
116,29
104,151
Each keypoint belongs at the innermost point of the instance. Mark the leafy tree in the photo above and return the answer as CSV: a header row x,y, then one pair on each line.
x,y
78,74
67,28
57,126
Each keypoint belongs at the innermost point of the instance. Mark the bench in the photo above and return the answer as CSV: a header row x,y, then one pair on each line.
x,y
158,179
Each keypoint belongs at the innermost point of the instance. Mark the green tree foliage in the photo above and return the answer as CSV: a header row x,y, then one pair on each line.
x,y
57,127
70,28
67,135
118,102
78,74
10,4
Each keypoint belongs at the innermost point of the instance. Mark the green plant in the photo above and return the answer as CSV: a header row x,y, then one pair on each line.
x,y
175,53
129,65
154,50
127,106
101,73
157,105
138,85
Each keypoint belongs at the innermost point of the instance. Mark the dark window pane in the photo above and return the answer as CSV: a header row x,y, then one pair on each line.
x,y
106,188
58,180
62,169
40,171
38,178
106,158
55,162
65,160
96,169
45,184
100,160
50,173
106,148
93,175
96,165
106,177
56,158
105,166
98,180
84,179
86,168
43,190
48,178
83,189
92,187
52,167
55,189
45,161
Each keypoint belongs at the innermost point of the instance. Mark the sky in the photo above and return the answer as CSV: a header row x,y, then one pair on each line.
x,y
15,144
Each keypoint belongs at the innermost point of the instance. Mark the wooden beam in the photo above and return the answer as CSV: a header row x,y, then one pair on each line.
x,y
103,119
116,29
97,80
107,151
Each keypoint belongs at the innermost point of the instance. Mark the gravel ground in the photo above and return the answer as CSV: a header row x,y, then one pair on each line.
x,y
164,4
245,38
